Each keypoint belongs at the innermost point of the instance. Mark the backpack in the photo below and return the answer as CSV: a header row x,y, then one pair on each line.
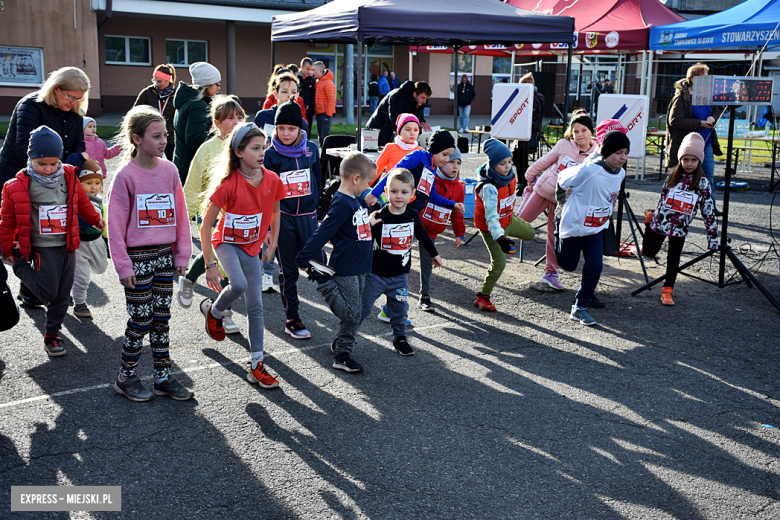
x,y
463,144
330,189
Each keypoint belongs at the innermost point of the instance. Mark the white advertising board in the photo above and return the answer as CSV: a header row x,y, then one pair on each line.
x,y
513,107
631,111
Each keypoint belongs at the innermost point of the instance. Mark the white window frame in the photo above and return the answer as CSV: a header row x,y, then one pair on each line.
x,y
186,50
127,50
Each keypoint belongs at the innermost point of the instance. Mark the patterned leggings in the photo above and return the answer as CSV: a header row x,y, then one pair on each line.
x,y
149,306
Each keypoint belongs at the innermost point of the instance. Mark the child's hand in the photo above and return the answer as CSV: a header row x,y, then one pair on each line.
x,y
214,279
269,253
268,239
437,261
8,260
100,226
181,270
85,155
460,208
370,200
458,240
374,219
128,282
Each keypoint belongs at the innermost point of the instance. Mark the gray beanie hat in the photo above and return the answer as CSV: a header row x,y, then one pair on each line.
x,y
204,74
456,155
44,142
87,120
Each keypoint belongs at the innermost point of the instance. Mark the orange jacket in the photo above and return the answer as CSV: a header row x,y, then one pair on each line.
x,y
270,101
325,97
506,194
389,158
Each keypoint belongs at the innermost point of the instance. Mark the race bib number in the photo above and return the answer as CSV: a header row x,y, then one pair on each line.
x,y
269,131
361,222
505,206
297,182
241,229
681,201
597,217
426,182
397,238
52,220
155,210
437,214
566,162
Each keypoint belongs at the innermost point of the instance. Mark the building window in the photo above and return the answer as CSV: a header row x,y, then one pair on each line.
x,y
465,67
128,50
185,52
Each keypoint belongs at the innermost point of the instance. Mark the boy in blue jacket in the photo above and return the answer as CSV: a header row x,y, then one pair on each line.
x,y
348,228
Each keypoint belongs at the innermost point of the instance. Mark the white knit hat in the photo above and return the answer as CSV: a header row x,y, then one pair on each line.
x,y
204,74
87,120
692,144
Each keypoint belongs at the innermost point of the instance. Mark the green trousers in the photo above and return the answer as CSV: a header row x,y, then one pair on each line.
x,y
517,228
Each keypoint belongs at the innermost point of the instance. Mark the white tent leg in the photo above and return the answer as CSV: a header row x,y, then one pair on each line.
x,y
411,57
512,69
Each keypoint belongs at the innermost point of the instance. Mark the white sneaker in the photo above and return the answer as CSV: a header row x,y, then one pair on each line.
x,y
268,284
228,324
184,295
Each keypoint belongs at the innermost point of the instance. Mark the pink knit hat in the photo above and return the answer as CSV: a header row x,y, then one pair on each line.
x,y
406,118
607,126
692,144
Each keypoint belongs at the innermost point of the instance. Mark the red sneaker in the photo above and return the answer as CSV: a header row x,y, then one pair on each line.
x,y
261,376
483,303
214,327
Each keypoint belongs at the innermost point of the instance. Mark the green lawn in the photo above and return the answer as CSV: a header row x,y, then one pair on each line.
x,y
104,132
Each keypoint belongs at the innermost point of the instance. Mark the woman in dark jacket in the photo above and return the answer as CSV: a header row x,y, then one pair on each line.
x,y
60,104
682,118
192,122
160,95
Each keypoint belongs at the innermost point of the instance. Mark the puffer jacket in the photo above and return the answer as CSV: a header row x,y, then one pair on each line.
x,y
325,97
148,96
680,122
191,125
98,151
28,115
452,190
554,161
15,218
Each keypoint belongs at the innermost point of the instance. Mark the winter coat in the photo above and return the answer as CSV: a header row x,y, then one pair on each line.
x,y
325,97
397,102
307,89
373,88
98,151
544,171
466,94
149,97
671,223
680,122
384,86
191,125
280,164
15,218
28,115
536,117
270,101
452,190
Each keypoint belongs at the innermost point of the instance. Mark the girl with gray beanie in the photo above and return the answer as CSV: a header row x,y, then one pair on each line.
x,y
192,122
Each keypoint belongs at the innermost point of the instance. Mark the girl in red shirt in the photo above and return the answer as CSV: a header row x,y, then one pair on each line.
x,y
246,198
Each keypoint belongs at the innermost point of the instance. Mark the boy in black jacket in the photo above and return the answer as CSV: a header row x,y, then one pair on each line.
x,y
393,233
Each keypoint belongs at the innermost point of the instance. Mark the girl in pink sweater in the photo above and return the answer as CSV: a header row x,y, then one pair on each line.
x,y
149,235
577,144
96,148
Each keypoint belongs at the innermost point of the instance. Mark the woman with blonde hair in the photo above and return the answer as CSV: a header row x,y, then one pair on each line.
x,y
160,95
59,104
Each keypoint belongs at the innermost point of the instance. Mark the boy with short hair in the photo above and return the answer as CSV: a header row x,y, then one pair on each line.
x,y
348,228
324,100
308,88
393,233
91,254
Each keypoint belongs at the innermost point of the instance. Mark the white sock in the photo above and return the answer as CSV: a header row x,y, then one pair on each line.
x,y
216,313
257,358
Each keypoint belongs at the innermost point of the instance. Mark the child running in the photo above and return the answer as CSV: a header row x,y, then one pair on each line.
x,y
247,195
96,148
393,230
149,236
226,113
435,220
348,228
39,210
298,162
91,254
494,200
594,186
684,191
577,144
408,129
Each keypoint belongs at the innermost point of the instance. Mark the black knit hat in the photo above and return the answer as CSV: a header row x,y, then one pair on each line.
x,y
613,142
440,141
583,119
289,113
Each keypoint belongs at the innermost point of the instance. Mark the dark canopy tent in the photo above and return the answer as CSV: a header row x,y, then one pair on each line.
x,y
453,23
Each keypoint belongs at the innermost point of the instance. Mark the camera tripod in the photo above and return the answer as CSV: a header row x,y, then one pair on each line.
x,y
632,221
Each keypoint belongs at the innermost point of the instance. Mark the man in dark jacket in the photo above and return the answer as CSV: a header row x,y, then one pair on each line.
x,y
409,98
466,95
308,87
373,93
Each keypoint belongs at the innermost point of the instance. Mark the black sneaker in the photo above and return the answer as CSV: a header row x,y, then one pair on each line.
x,y
345,362
595,303
173,389
402,346
53,346
321,273
133,389
425,305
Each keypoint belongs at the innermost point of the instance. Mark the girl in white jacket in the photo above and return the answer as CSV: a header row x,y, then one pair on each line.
x,y
577,144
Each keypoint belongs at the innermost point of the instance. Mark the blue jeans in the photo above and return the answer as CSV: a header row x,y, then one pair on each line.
x,y
708,165
373,102
268,267
323,126
396,290
592,250
464,117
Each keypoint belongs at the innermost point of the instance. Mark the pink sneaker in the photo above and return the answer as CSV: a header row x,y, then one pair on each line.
x,y
551,279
